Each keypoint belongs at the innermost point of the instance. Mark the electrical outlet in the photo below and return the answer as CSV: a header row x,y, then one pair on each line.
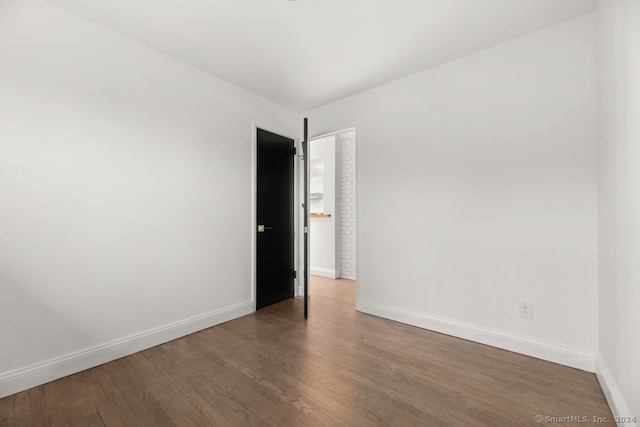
x,y
525,310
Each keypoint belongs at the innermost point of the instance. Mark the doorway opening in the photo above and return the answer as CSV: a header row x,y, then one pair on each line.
x,y
332,203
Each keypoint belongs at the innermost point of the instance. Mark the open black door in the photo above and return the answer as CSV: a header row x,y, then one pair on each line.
x,y
275,215
305,205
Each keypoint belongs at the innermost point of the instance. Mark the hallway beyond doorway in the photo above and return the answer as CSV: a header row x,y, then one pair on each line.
x,y
332,201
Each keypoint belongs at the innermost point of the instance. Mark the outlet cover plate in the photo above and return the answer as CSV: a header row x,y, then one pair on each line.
x,y
525,310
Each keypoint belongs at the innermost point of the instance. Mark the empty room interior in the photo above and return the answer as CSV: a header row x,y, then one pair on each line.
x,y
319,212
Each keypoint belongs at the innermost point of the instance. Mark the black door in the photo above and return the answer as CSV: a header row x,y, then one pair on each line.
x,y
275,234
306,156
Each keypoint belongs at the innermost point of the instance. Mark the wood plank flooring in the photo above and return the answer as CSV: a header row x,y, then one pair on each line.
x,y
338,368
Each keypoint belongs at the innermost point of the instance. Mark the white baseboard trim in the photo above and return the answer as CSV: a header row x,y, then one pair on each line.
x,y
325,272
530,347
612,393
31,376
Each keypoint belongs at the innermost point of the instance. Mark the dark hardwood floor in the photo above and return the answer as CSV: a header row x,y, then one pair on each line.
x,y
340,367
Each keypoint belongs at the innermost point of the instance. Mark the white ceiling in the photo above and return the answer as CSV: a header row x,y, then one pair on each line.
x,y
306,53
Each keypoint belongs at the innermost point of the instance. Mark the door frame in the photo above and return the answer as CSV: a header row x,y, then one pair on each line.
x,y
356,129
255,125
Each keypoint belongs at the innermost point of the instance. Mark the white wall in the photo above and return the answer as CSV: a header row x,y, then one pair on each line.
x,y
346,149
477,189
322,240
125,195
619,196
